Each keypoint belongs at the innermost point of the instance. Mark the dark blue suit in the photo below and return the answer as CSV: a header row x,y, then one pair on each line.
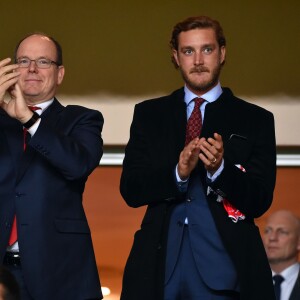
x,y
157,137
210,256
44,187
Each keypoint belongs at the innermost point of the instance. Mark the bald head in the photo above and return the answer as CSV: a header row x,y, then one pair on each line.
x,y
282,239
58,49
39,84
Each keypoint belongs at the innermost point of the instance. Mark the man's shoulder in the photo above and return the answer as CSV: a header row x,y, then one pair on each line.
x,y
71,113
175,96
295,294
241,104
78,108
72,109
298,273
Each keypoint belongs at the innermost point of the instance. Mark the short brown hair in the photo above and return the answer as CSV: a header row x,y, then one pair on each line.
x,y
198,22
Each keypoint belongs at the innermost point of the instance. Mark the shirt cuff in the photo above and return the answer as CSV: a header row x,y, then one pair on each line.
x,y
181,184
213,177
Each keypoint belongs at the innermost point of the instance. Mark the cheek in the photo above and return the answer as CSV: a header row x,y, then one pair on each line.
x,y
286,246
22,77
184,60
265,239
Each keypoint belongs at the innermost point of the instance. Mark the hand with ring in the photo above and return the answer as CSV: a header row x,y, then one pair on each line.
x,y
212,152
213,160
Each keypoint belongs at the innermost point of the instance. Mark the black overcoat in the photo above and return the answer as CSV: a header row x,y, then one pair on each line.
x,y
157,137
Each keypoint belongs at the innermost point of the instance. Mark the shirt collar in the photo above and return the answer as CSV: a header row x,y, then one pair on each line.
x,y
44,105
211,96
290,271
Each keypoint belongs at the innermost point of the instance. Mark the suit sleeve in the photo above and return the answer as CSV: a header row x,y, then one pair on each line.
x,y
74,145
148,173
252,191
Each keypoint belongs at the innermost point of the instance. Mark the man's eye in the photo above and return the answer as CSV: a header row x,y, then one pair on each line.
x,y
23,61
208,50
283,232
43,62
188,51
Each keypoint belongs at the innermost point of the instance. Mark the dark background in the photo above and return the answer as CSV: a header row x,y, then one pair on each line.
x,y
121,47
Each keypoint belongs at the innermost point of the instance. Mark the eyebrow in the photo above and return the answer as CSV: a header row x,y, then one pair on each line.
x,y
208,45
277,228
24,56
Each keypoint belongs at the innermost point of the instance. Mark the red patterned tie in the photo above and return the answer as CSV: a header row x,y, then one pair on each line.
x,y
13,234
194,124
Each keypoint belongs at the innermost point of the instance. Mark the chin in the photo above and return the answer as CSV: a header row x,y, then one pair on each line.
x,y
30,93
203,87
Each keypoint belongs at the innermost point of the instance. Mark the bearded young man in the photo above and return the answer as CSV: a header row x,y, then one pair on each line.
x,y
204,162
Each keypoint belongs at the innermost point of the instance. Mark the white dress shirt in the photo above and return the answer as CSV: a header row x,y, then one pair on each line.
x,y
290,276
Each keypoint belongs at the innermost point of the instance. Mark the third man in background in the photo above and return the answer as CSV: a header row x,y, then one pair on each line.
x,y
282,242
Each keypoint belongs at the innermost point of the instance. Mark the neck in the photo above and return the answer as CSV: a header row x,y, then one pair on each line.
x,y
278,267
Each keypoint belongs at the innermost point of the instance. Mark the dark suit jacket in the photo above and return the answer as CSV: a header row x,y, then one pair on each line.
x,y
156,139
44,186
295,294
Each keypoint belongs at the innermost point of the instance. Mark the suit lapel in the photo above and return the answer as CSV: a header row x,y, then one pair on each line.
x,y
216,115
221,115
51,113
50,116
295,295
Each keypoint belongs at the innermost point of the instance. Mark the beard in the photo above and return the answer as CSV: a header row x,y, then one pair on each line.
x,y
203,85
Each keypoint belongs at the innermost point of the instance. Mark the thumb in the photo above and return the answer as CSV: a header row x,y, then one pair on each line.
x,y
17,91
217,137
17,95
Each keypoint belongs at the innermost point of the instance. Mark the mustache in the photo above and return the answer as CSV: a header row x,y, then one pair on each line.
x,y
199,70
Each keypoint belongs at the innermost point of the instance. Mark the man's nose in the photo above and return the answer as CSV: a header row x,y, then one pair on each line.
x,y
273,236
198,58
32,66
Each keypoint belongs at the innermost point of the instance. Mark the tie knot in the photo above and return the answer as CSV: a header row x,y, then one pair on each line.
x,y
34,108
198,102
278,279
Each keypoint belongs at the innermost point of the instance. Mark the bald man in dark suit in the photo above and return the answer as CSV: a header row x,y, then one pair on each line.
x,y
45,238
281,238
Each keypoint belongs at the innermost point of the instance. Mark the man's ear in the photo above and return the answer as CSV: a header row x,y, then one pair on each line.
x,y
223,55
60,75
298,245
175,56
